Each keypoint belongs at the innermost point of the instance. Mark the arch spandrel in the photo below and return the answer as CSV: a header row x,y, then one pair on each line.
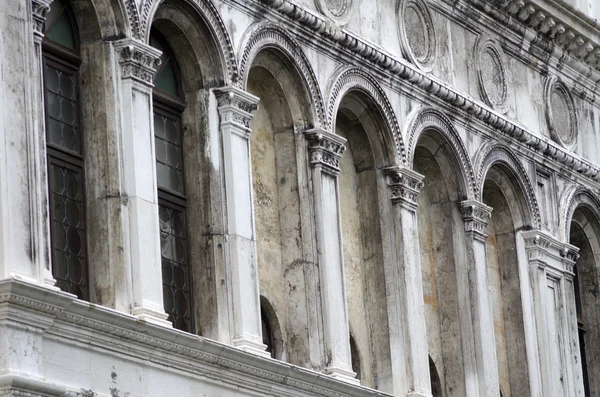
x,y
268,35
350,79
429,119
141,21
498,153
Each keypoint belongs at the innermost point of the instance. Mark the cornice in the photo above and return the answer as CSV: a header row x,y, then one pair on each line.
x,y
401,69
109,331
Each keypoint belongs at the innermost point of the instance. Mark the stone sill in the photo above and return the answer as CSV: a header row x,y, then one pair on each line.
x,y
63,317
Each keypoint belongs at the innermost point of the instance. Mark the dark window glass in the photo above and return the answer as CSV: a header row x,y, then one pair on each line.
x,y
581,332
436,383
267,334
64,149
168,144
355,359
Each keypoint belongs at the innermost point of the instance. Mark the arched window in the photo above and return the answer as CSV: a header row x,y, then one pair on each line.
x,y
355,358
581,332
271,333
65,151
436,383
168,141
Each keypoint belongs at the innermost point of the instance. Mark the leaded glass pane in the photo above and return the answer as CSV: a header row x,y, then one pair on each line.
x,y
175,271
62,32
62,108
68,228
169,158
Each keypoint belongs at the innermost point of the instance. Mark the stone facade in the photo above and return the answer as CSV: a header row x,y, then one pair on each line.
x,y
300,198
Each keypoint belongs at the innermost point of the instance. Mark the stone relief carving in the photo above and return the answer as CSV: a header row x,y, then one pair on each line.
x,y
39,8
560,112
476,216
236,106
400,70
354,78
405,185
500,153
417,34
491,72
138,60
337,10
141,21
325,149
429,118
268,34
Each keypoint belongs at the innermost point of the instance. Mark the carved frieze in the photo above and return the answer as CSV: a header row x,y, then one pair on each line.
x,y
236,106
325,149
336,10
405,185
560,112
138,61
417,34
476,216
491,72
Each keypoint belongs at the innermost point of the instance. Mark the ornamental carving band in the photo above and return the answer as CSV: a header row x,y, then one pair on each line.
x,y
325,149
476,216
138,61
405,184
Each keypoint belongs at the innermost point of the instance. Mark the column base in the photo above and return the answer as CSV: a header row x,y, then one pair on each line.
x,y
251,346
342,374
419,394
152,316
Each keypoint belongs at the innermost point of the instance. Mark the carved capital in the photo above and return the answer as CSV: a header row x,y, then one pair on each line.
x,y
325,149
39,8
405,185
138,61
476,216
236,107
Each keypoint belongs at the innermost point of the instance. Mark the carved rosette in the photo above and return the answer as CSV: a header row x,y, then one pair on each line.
x,y
491,72
417,33
405,185
476,216
138,61
39,8
325,150
336,10
560,112
236,107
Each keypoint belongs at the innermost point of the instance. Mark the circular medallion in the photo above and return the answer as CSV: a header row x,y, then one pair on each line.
x,y
491,75
336,10
417,36
560,112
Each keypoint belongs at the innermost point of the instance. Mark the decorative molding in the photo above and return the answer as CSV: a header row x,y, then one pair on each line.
x,y
499,153
476,216
39,8
325,150
575,198
138,60
565,137
428,118
541,246
405,185
336,10
423,57
236,107
209,13
548,27
348,79
486,72
267,34
388,65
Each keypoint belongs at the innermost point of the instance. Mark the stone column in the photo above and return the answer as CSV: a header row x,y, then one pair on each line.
x,y
325,150
476,216
235,110
142,243
406,308
551,267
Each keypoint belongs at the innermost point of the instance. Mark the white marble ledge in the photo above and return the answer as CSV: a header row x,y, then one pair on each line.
x,y
64,320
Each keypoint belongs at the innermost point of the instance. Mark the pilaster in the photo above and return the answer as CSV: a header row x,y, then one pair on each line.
x,y
406,308
324,152
476,216
551,264
137,62
235,110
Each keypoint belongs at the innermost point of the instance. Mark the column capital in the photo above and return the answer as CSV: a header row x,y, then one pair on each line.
x,y
236,107
476,216
138,60
405,185
549,253
325,149
39,8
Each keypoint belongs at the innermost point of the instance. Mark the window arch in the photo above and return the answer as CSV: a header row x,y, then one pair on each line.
x,y
173,205
271,333
65,151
